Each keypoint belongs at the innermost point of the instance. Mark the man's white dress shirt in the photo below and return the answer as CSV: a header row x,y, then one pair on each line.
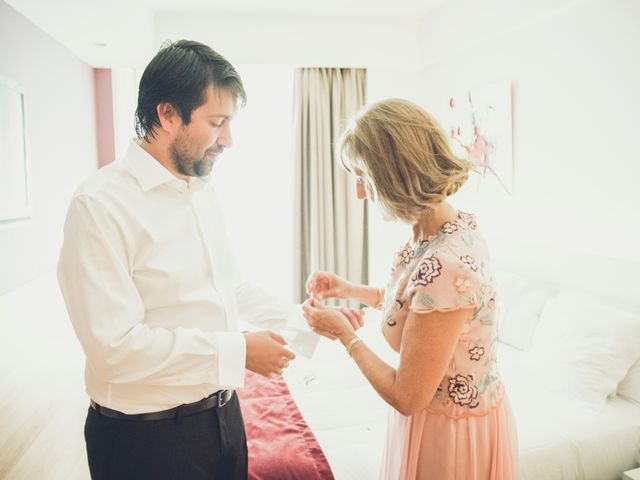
x,y
152,290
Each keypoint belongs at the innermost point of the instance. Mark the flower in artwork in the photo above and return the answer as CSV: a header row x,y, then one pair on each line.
x,y
479,150
479,125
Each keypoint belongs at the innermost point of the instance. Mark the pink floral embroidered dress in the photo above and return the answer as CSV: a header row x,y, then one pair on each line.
x,y
467,432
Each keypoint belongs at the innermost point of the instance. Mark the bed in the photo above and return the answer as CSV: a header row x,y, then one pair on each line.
x,y
336,415
559,438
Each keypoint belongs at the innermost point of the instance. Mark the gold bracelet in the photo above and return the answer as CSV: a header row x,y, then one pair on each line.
x,y
351,343
380,303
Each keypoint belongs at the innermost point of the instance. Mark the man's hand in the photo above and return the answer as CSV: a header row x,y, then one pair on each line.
x,y
266,354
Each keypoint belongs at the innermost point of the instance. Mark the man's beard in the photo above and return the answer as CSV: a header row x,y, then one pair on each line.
x,y
189,164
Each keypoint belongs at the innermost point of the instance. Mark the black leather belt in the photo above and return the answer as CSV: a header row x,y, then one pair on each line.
x,y
215,400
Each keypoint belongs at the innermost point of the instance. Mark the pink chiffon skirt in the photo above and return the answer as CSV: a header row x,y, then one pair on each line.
x,y
434,446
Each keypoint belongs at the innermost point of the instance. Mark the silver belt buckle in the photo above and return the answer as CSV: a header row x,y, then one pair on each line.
x,y
221,400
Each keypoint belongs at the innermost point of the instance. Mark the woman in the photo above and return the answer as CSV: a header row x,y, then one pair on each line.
x,y
451,418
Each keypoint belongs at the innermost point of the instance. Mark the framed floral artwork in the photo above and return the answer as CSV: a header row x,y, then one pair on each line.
x,y
478,123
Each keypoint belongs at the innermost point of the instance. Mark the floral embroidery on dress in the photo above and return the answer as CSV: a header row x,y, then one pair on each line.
x,y
449,227
428,269
423,246
463,392
469,219
398,305
462,284
470,262
476,353
399,257
444,272
438,393
406,255
466,332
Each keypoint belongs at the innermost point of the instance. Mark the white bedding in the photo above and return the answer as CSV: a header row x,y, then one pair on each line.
x,y
557,439
560,440
346,415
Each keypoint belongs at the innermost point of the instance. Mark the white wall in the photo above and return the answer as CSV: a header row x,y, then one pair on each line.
x,y
125,100
103,34
574,67
309,41
61,137
575,70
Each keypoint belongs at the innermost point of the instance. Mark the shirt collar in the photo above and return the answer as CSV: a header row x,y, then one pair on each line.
x,y
150,173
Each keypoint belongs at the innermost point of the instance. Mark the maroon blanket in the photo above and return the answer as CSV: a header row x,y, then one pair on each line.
x,y
281,444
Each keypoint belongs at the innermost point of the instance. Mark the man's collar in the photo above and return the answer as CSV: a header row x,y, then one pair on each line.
x,y
150,173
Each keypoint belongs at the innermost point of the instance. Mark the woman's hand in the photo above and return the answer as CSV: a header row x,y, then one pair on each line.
x,y
328,322
355,317
324,285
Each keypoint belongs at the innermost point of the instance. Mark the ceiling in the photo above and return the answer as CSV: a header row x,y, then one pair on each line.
x,y
297,7
110,33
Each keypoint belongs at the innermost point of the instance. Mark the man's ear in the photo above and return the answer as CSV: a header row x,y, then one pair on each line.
x,y
169,117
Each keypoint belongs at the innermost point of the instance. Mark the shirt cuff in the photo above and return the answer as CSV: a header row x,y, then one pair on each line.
x,y
296,320
305,343
305,340
232,354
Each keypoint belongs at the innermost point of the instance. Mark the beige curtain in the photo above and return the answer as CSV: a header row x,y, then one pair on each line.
x,y
330,222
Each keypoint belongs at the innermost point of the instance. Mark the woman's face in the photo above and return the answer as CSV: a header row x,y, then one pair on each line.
x,y
364,189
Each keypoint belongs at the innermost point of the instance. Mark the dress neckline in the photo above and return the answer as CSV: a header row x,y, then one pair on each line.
x,y
462,220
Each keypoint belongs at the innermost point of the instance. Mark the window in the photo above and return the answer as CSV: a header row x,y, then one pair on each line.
x,y
254,179
14,198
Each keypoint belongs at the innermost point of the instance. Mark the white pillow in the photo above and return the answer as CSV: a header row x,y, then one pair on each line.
x,y
520,304
583,348
509,285
629,387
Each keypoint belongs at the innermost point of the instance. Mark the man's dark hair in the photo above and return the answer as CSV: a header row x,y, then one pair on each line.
x,y
180,74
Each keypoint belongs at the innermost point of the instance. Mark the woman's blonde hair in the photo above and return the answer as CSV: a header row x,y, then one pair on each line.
x,y
405,154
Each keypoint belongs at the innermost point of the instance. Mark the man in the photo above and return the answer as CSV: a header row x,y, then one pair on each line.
x,y
153,293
